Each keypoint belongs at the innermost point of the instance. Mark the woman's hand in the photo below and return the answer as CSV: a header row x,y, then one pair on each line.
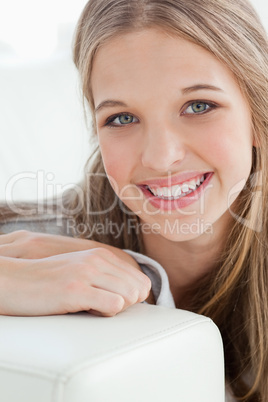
x,y
97,281
32,245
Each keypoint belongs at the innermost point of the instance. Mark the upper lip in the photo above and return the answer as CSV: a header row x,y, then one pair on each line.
x,y
173,180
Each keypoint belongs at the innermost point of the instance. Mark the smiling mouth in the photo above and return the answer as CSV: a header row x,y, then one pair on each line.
x,y
177,191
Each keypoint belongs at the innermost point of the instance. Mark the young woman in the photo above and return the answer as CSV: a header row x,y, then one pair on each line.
x,y
178,95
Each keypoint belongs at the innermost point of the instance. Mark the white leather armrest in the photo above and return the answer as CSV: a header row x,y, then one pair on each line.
x,y
146,353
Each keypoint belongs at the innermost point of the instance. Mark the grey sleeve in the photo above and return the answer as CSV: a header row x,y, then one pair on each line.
x,y
158,277
44,224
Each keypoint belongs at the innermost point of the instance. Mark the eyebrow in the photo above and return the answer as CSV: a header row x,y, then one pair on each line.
x,y
198,87
109,103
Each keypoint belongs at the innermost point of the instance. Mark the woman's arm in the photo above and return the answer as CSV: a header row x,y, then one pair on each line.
x,y
32,245
98,280
26,244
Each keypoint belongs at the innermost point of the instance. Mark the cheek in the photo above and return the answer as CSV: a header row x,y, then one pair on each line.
x,y
229,145
118,161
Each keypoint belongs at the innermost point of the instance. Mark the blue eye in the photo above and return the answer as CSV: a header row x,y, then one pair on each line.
x,y
122,119
199,108
125,119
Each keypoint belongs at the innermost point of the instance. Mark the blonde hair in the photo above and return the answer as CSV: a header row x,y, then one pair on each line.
x,y
235,295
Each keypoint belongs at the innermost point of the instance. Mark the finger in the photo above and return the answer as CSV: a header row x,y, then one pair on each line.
x,y
98,300
111,276
11,237
9,250
130,290
102,258
6,238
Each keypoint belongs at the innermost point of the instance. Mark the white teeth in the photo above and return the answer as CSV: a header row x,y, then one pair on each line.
x,y
162,191
166,192
178,190
185,188
192,184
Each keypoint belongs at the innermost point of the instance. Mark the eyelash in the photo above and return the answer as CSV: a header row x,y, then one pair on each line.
x,y
212,106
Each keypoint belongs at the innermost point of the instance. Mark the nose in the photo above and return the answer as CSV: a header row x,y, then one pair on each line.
x,y
163,148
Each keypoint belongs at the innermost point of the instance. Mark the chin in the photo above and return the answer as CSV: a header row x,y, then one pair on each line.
x,y
179,230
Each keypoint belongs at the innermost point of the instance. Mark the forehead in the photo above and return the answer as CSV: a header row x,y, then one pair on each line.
x,y
154,59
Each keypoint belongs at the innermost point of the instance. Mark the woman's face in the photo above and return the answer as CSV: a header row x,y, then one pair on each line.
x,y
174,131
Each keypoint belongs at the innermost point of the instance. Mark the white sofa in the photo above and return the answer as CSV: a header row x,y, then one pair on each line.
x,y
147,353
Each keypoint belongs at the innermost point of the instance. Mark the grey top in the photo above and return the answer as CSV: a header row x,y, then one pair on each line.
x,y
158,277
45,224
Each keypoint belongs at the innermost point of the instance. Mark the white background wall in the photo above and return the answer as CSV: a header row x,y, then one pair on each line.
x,y
42,129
